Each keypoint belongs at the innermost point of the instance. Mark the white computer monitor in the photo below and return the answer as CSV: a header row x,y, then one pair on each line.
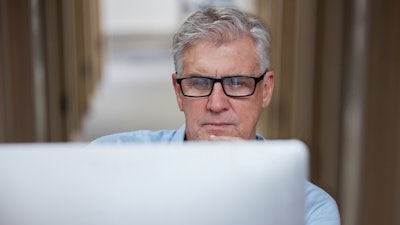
x,y
153,184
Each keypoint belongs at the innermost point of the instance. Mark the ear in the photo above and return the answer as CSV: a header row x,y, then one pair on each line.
x,y
268,88
178,92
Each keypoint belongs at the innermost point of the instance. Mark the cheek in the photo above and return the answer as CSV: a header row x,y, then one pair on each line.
x,y
193,108
249,111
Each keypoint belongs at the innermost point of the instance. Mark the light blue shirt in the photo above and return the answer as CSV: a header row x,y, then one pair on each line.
x,y
321,208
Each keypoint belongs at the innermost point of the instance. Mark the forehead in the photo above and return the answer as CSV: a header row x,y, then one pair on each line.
x,y
207,57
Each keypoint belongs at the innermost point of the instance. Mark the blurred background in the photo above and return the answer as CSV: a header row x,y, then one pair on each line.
x,y
71,71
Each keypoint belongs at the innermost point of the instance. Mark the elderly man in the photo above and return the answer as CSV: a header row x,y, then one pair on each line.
x,y
222,84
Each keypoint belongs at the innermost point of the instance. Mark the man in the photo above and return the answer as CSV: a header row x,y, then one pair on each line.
x,y
222,83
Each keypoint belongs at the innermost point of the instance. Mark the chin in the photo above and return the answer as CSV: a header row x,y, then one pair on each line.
x,y
222,132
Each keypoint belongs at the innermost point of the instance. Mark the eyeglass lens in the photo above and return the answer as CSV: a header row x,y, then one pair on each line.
x,y
232,86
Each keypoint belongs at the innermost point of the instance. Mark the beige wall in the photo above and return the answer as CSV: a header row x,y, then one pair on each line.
x,y
50,58
338,89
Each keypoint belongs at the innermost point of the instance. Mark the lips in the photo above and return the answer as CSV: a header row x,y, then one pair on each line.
x,y
217,126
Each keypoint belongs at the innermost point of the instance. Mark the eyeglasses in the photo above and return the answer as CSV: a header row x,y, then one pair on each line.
x,y
234,86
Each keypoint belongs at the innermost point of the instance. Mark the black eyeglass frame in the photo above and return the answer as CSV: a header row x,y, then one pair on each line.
x,y
220,80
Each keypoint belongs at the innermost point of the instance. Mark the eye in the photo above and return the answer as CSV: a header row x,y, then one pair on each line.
x,y
198,82
237,82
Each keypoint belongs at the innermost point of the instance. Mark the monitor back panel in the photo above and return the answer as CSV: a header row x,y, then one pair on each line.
x,y
154,184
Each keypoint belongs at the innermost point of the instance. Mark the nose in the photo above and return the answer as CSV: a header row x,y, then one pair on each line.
x,y
217,101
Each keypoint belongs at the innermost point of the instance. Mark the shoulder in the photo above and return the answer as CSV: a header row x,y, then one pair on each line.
x,y
141,136
321,208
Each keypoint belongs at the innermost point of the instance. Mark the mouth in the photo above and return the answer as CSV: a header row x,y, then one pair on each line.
x,y
219,128
217,125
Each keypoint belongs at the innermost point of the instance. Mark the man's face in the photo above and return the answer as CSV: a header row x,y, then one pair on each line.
x,y
219,115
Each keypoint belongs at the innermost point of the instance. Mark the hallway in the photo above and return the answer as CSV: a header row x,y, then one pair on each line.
x,y
135,91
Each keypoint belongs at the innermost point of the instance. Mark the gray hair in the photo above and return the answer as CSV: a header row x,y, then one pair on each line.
x,y
221,25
